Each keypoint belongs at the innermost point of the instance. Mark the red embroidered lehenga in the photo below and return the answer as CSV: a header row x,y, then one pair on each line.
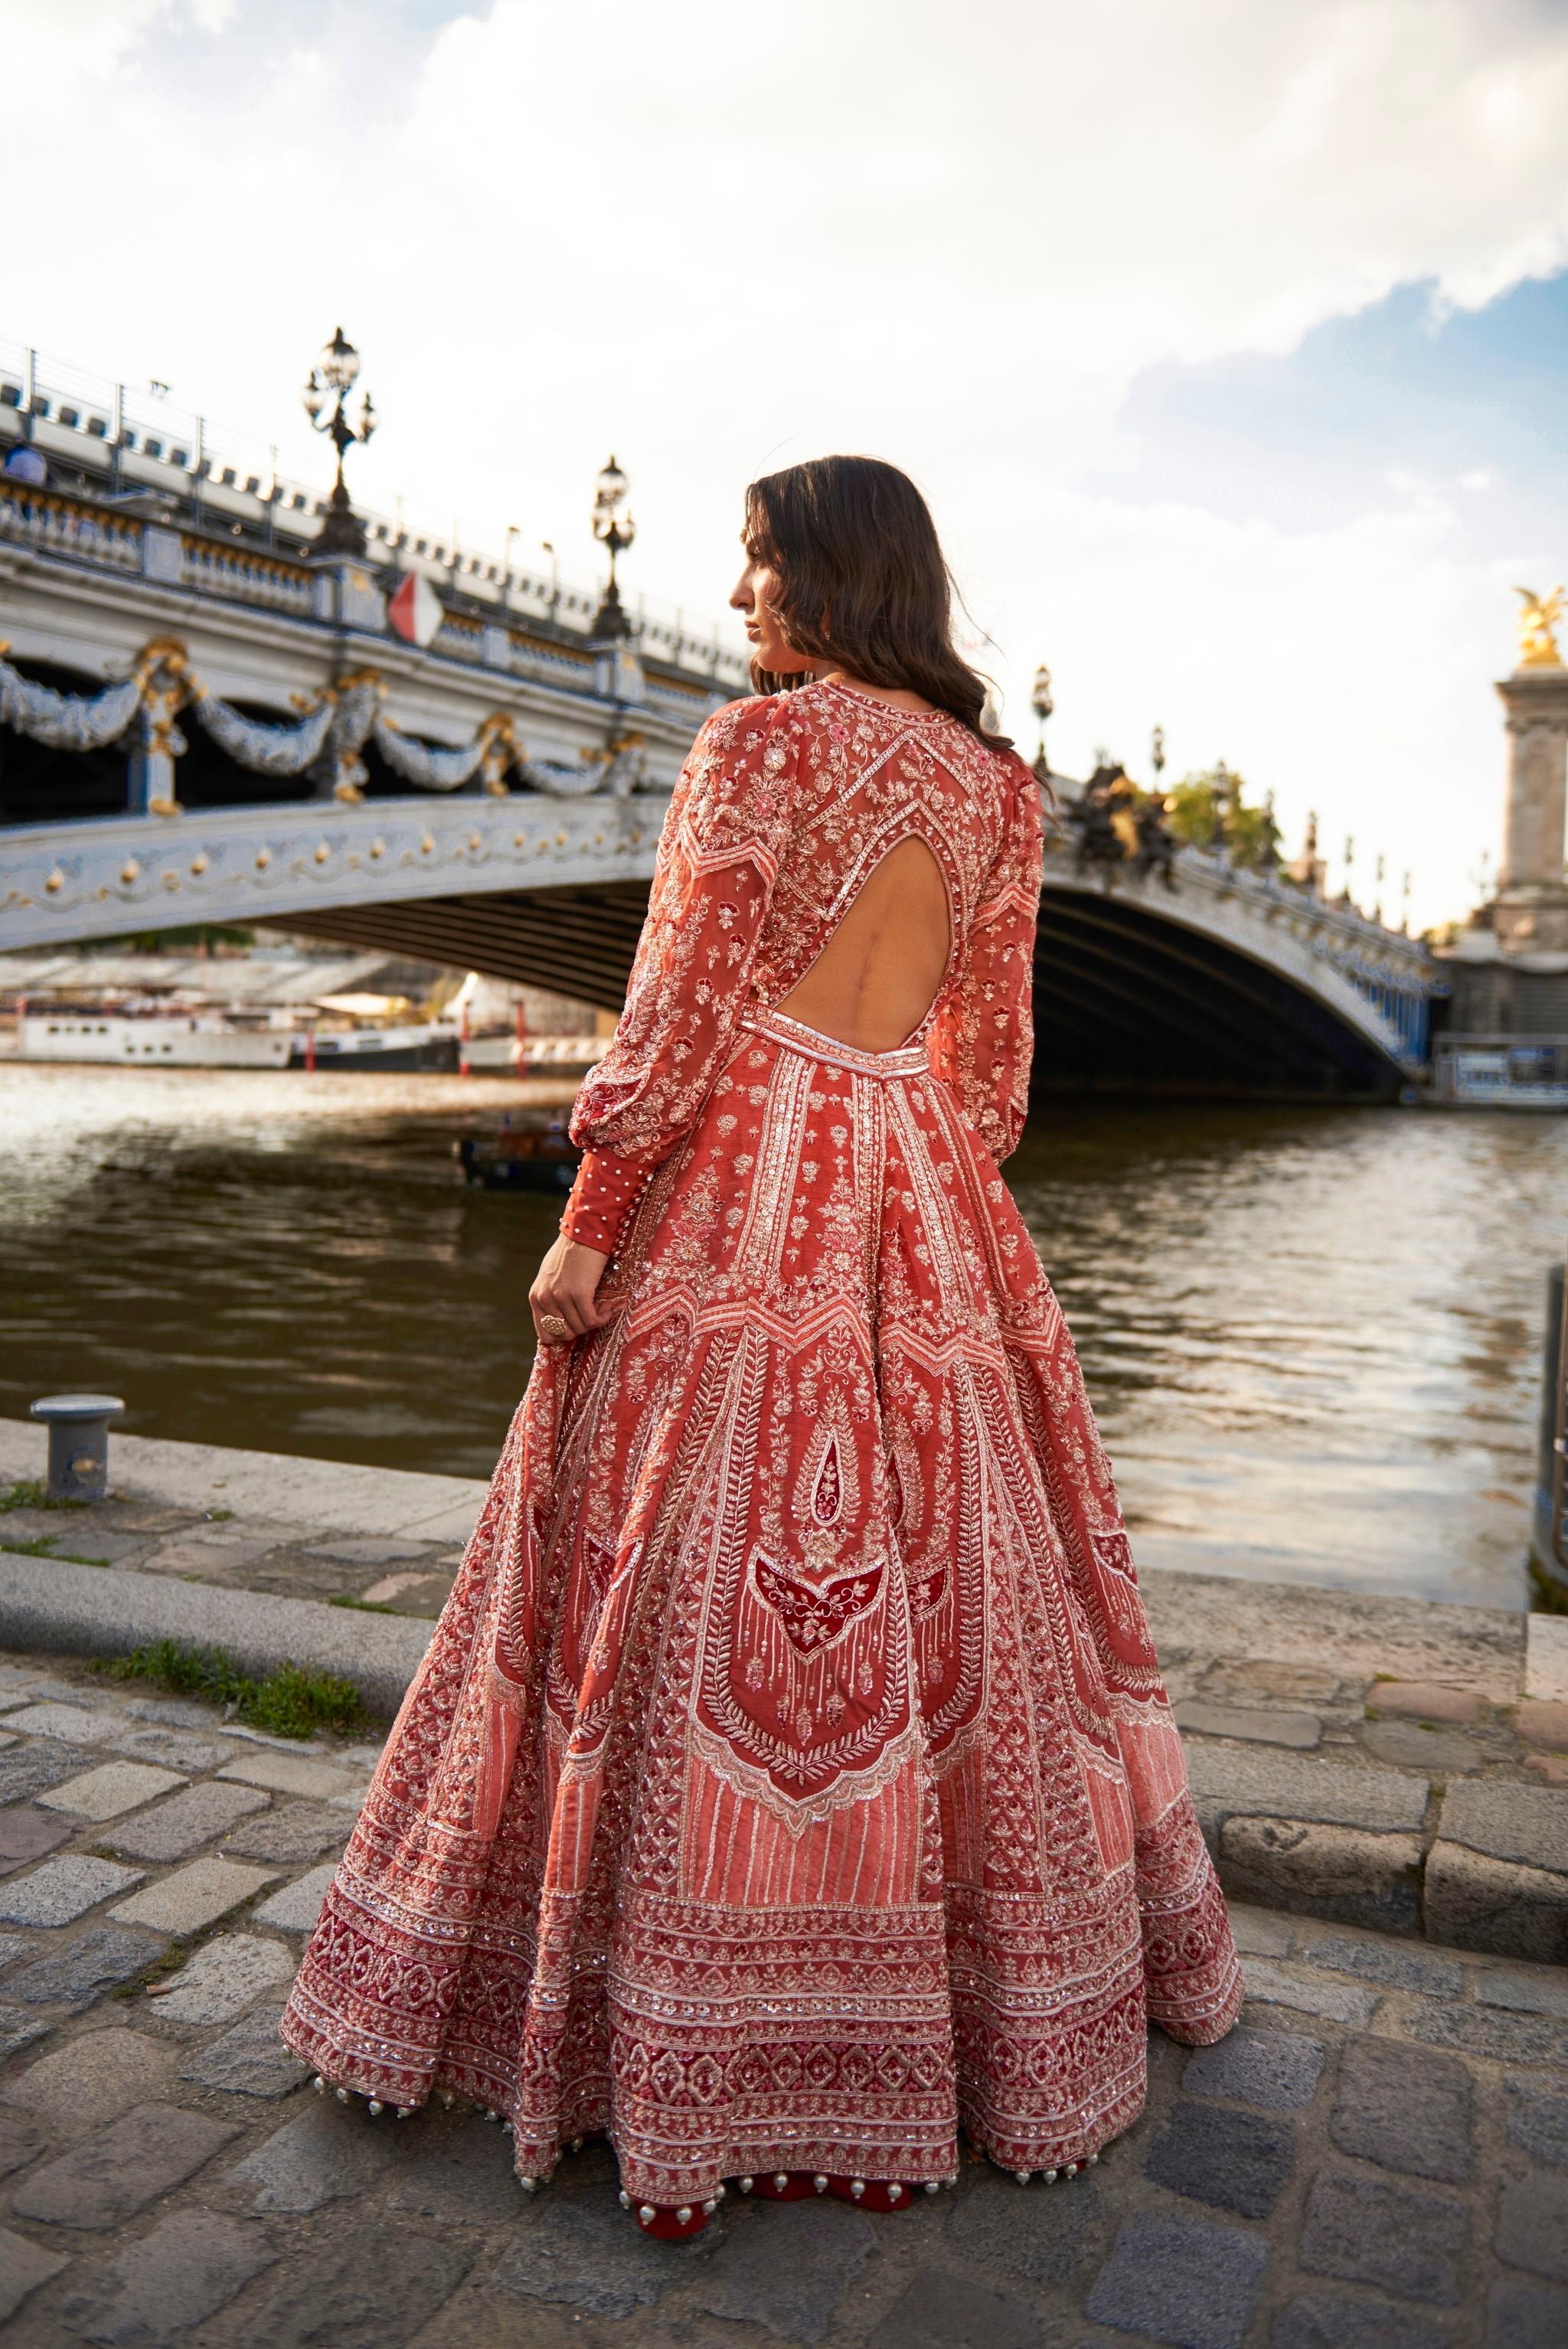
x,y
789,1782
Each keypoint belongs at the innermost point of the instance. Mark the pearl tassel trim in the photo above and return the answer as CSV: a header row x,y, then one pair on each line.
x,y
1051,2177
858,2185
646,2211
373,2104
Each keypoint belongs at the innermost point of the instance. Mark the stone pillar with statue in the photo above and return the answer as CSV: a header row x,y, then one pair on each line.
x,y
1530,910
1504,1043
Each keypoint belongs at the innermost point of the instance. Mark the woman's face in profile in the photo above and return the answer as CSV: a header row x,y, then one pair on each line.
x,y
755,594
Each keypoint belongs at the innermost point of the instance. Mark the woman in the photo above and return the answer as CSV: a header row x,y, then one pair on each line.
x,y
789,1781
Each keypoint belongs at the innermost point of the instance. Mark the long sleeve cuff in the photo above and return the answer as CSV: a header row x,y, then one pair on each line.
x,y
603,1199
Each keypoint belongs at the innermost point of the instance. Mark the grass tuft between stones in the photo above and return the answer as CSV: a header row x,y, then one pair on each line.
x,y
174,1960
32,1493
44,1546
290,1702
184,1946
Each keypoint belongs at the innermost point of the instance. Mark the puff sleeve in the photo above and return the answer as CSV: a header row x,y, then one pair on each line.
x,y
982,1041
713,883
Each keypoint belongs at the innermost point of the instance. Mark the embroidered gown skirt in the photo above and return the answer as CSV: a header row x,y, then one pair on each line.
x,y
790,1783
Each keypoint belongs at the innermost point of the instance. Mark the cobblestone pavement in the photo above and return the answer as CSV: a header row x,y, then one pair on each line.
x,y
1377,2158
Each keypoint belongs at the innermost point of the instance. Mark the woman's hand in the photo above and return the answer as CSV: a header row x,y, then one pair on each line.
x,y
561,1297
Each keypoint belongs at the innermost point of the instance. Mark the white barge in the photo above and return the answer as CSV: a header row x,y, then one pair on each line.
x,y
166,1039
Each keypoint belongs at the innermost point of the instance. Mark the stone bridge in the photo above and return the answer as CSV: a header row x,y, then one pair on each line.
x,y
200,722
1226,984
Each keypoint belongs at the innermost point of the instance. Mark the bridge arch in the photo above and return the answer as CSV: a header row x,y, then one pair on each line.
x,y
1226,985
1129,997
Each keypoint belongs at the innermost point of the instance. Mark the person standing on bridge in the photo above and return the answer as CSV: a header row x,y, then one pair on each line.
x,y
791,1783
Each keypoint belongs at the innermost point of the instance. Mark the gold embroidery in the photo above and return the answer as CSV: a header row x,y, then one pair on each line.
x,y
789,1780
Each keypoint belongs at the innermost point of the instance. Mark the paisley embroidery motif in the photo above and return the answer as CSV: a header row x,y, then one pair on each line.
x,y
903,1467
827,1491
1115,1589
581,1627
828,1500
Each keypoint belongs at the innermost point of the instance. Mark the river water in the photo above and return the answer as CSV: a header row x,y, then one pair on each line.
x,y
1313,1338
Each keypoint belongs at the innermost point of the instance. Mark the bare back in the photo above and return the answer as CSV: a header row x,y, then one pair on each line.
x,y
869,872
878,976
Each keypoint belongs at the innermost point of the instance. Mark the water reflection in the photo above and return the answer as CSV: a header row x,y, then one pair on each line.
x,y
1312,1337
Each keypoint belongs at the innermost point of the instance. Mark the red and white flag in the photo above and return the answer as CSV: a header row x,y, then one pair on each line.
x,y
415,611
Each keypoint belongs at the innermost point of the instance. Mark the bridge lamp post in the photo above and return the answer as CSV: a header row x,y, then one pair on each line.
x,y
1042,703
1227,806
615,531
330,381
514,530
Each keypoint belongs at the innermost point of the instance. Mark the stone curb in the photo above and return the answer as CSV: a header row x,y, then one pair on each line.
x,y
51,1607
276,1487
1358,1845
1546,1658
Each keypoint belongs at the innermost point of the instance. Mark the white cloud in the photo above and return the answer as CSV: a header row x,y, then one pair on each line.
x,y
716,240
1339,667
91,38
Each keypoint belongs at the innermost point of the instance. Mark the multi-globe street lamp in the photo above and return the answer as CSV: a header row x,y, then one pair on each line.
x,y
331,381
615,531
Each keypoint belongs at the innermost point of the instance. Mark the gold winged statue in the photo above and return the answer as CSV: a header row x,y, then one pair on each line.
x,y
1538,628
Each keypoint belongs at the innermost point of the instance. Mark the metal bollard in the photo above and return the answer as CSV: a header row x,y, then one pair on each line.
x,y
1549,1544
78,1444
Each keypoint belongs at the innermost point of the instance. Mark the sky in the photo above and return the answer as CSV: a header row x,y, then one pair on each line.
x,y
1229,341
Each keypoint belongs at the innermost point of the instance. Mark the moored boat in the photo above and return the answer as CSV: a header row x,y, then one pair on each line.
x,y
427,1047
165,1040
519,1160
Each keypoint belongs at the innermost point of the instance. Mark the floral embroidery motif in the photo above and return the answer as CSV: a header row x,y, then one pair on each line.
x,y
789,1781
784,809
813,1614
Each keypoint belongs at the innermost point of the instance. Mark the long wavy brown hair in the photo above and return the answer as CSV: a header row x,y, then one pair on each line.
x,y
862,582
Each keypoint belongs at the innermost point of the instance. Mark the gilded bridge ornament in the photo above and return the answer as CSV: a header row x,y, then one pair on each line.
x,y
1538,628
500,748
164,684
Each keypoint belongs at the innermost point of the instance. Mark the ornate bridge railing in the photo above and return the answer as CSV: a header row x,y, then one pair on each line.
x,y
291,667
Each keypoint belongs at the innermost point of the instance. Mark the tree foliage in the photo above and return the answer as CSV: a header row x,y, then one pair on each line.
x,y
1209,810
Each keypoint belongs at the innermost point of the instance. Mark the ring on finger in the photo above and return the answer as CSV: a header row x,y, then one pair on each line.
x,y
552,1326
